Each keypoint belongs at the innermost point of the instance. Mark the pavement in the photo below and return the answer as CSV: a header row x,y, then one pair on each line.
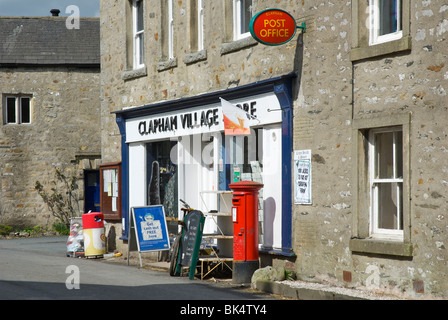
x,y
290,290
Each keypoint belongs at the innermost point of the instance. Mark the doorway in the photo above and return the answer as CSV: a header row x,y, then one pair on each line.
x,y
91,191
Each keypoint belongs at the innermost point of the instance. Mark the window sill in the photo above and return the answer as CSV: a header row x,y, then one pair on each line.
x,y
167,64
195,57
133,74
382,247
237,45
367,52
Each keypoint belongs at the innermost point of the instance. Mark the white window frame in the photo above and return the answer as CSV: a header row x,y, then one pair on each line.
x,y
17,109
138,35
239,19
375,231
374,23
200,25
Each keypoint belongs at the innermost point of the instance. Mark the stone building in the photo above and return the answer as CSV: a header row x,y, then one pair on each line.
x,y
49,84
165,66
358,101
372,108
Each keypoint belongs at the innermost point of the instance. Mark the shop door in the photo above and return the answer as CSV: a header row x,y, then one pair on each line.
x,y
272,190
92,191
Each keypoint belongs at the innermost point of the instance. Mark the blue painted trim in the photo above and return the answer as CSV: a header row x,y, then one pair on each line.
x,y
124,177
283,91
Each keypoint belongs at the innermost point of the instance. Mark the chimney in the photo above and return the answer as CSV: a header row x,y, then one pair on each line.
x,y
55,12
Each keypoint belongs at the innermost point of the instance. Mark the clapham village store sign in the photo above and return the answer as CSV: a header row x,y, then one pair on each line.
x,y
273,27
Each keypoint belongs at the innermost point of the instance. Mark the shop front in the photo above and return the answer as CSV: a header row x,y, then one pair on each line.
x,y
179,149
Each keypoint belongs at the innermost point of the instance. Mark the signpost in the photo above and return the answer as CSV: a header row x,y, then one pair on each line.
x,y
150,229
273,27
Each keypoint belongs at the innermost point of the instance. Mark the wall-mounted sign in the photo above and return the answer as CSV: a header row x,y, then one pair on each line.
x,y
273,27
302,177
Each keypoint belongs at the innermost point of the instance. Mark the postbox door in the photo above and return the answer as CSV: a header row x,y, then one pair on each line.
x,y
239,229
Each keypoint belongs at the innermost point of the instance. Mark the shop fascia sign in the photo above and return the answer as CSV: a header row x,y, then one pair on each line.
x,y
196,120
274,27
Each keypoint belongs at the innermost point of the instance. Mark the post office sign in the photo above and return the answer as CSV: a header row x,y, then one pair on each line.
x,y
273,27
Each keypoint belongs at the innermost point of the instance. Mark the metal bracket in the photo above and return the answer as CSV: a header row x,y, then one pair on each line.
x,y
303,27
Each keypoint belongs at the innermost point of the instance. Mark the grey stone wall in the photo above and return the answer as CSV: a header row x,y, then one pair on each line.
x,y
65,130
339,88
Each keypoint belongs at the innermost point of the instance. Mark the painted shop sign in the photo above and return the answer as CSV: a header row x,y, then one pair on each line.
x,y
197,120
207,118
273,27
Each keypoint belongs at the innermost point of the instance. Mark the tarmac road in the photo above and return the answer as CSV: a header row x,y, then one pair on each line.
x,y
37,268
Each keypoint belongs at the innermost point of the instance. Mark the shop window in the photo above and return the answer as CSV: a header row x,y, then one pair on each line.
x,y
381,222
17,110
242,14
110,191
162,178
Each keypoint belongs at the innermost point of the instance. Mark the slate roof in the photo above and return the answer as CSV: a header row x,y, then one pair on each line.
x,y
47,41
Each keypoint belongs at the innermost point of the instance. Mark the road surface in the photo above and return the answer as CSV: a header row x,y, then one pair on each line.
x,y
37,268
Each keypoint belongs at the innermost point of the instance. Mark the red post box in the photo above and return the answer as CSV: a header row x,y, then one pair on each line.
x,y
245,229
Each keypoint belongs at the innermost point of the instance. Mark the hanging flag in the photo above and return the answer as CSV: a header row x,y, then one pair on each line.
x,y
236,120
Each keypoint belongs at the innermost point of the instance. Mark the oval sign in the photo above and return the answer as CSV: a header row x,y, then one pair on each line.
x,y
273,27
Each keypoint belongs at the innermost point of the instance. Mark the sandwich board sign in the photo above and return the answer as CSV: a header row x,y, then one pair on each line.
x,y
191,242
148,230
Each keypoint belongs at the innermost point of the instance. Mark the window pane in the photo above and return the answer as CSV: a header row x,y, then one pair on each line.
x,y
246,15
389,16
384,156
390,208
399,154
140,48
139,5
25,111
10,110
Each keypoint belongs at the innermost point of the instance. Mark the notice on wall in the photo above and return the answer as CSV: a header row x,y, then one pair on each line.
x,y
302,177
